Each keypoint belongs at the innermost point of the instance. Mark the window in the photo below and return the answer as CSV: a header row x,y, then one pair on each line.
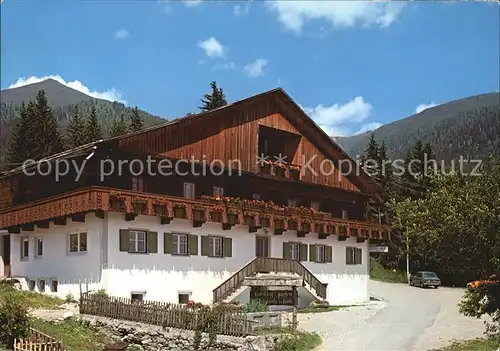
x,y
41,285
25,248
218,191
179,244
292,202
320,254
315,205
215,246
344,214
294,251
38,247
189,190
78,242
53,286
256,196
137,241
137,297
137,184
353,255
31,285
183,298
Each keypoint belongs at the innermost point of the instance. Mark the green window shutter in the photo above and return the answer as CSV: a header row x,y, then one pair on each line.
x,y
312,253
124,240
204,246
303,252
167,243
152,242
328,254
193,244
358,253
348,255
227,246
286,251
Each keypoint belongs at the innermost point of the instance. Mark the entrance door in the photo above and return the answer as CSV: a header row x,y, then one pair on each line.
x,y
262,246
5,254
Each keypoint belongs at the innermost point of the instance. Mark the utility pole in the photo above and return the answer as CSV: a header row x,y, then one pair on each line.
x,y
407,259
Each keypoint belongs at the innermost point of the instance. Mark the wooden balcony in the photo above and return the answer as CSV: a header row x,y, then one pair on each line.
x,y
227,211
280,170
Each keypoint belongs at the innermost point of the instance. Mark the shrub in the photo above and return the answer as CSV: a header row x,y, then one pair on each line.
x,y
255,306
14,322
69,298
299,341
483,297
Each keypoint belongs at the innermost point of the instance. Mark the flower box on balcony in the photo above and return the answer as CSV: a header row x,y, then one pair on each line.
x,y
294,173
116,204
249,220
279,223
179,210
264,222
265,168
160,209
292,224
199,214
215,216
306,226
232,218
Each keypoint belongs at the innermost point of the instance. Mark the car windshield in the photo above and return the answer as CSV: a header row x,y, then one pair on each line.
x,y
430,275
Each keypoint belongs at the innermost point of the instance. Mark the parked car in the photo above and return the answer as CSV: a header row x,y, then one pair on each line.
x,y
424,279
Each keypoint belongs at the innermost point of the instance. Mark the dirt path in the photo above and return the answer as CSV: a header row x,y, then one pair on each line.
x,y
408,319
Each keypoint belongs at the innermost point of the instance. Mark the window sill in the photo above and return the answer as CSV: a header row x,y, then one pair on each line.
x,y
24,259
138,253
77,253
217,256
180,254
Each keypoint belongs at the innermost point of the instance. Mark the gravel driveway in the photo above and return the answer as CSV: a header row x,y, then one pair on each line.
x,y
407,319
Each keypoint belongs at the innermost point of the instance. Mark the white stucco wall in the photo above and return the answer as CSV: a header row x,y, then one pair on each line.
x,y
163,276
69,269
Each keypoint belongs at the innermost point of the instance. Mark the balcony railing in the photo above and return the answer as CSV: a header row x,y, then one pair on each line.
x,y
228,211
281,170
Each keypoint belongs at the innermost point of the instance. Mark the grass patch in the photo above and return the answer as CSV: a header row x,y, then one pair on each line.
x,y
31,299
378,272
75,335
473,345
294,340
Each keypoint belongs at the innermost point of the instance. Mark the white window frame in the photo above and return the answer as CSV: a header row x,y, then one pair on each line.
x,y
142,293
215,243
38,241
188,293
295,251
218,191
25,251
79,242
256,196
135,240
320,253
180,247
292,202
189,190
137,184
345,214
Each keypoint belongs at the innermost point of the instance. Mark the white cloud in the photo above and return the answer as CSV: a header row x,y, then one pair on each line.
x,y
212,47
256,68
111,95
192,3
422,107
339,120
241,10
293,14
122,34
230,66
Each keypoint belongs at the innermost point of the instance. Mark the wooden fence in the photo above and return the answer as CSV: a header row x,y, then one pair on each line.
x,y
164,314
38,341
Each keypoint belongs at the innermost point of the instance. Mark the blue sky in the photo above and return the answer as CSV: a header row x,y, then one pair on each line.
x,y
351,65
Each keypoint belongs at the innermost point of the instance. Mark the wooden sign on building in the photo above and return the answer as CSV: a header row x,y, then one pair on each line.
x,y
273,297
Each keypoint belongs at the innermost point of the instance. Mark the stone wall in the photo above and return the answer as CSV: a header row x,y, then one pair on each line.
x,y
154,338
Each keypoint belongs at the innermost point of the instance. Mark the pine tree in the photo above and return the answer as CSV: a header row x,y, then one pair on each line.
x,y
48,139
93,130
371,160
21,141
119,127
76,129
136,122
214,100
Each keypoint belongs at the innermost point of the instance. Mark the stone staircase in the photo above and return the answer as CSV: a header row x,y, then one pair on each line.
x,y
271,268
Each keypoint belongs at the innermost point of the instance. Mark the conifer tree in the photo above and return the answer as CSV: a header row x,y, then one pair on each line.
x,y
76,129
48,139
93,130
214,100
136,122
119,127
21,141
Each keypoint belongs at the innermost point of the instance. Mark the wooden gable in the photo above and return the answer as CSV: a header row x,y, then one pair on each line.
x,y
231,133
